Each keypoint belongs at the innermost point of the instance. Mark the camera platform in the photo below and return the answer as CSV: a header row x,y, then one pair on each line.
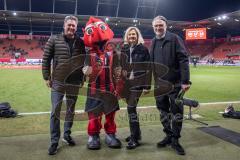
x,y
190,117
190,103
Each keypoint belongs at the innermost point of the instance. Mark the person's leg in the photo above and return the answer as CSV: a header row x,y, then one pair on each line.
x,y
94,124
177,121
135,136
134,125
70,111
69,117
71,98
165,117
163,106
110,128
177,114
110,125
94,127
56,98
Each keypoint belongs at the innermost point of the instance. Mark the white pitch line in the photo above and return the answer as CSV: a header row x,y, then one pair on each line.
x,y
142,107
33,113
212,103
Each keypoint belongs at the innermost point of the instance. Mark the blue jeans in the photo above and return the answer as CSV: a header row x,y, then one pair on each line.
x,y
57,101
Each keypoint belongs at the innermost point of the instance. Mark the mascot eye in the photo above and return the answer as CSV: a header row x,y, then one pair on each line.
x,y
89,31
103,27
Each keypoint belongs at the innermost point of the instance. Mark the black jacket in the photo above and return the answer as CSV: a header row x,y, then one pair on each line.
x,y
140,62
66,63
175,57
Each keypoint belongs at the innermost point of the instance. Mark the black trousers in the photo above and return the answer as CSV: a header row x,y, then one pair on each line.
x,y
171,115
132,99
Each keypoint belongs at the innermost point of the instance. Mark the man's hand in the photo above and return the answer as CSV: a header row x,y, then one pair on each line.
x,y
49,83
87,70
117,73
124,73
146,91
185,87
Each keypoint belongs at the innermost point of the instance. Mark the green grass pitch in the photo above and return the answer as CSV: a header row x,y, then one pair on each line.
x,y
26,90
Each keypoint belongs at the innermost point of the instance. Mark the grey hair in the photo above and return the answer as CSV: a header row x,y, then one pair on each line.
x,y
160,18
140,37
70,18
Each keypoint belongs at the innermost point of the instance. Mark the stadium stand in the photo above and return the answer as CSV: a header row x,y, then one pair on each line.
x,y
200,48
224,50
21,47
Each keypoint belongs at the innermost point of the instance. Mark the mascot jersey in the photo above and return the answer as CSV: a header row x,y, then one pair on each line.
x,y
101,78
101,85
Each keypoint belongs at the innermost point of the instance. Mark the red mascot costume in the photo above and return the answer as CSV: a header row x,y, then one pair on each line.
x,y
100,67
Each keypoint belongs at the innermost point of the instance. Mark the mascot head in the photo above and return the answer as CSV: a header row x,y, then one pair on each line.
x,y
96,32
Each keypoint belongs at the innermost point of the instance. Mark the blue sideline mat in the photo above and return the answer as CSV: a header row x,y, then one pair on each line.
x,y
222,133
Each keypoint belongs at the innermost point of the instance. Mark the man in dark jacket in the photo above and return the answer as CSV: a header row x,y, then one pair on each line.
x,y
63,60
168,49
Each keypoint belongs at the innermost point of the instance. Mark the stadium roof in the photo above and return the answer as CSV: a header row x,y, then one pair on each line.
x,y
46,16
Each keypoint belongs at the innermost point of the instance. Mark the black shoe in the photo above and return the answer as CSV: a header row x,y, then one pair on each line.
x,y
132,144
129,137
163,143
112,141
68,139
94,142
52,150
177,147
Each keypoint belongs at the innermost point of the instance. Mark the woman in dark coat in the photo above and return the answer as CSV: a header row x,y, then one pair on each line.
x,y
136,57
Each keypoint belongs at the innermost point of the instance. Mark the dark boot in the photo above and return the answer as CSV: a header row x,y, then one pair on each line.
x,y
133,124
177,147
166,141
112,141
52,150
94,142
129,137
132,144
69,140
